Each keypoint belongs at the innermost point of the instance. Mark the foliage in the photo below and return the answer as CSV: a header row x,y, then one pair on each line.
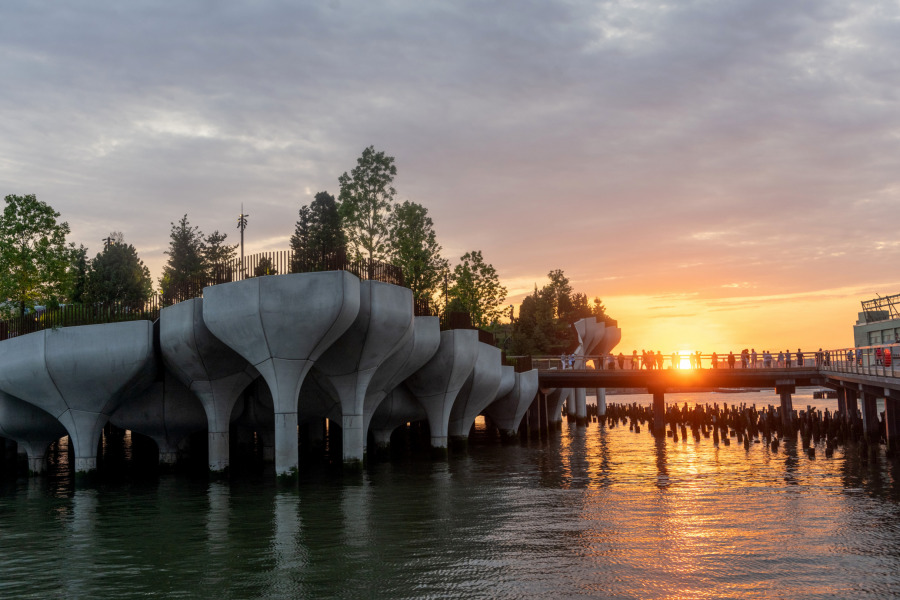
x,y
366,200
79,275
265,267
187,262
414,249
219,257
118,275
544,325
35,260
317,234
476,289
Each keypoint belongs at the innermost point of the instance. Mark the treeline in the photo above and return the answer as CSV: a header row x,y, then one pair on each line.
x,y
364,222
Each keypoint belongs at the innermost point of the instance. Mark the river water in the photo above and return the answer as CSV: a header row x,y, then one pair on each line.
x,y
593,512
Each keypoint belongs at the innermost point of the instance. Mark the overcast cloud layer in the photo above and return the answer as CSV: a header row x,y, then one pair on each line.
x,y
692,157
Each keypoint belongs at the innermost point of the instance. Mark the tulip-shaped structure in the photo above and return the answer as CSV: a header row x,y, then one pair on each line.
x,y
214,372
399,406
438,382
479,390
165,411
406,360
382,325
32,429
507,412
78,375
281,324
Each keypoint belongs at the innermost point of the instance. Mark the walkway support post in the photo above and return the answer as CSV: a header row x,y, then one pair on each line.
x,y
580,406
870,416
842,402
659,412
892,419
852,405
784,389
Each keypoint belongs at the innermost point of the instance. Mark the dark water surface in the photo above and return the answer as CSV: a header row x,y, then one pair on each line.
x,y
596,512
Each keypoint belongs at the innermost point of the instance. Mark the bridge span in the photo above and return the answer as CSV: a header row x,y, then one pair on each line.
x,y
858,381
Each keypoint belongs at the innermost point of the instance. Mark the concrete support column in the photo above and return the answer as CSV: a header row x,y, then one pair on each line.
x,y
659,412
842,403
870,415
892,421
218,451
353,439
784,389
601,402
570,405
580,406
852,404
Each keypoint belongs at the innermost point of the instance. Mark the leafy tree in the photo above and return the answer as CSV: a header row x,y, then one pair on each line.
x,y
545,328
219,257
476,289
265,267
318,234
80,270
414,249
35,260
118,275
366,200
187,263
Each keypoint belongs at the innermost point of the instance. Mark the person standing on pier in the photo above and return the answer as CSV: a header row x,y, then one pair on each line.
x,y
675,360
699,366
634,360
715,360
621,361
731,360
787,359
799,358
752,358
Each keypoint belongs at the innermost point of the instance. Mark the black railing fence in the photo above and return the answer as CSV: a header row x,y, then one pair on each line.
x,y
173,291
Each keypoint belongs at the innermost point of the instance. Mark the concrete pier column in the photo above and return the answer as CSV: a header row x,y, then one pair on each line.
x,y
784,389
507,412
281,325
478,392
870,415
892,419
580,406
383,326
659,412
842,402
436,384
79,375
852,404
32,429
601,402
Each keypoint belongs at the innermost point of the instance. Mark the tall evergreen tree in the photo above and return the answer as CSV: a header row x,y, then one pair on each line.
x,y
219,257
366,200
80,270
186,267
414,248
118,275
318,234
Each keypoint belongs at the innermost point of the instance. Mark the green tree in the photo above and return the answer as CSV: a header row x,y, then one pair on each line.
x,y
318,234
118,275
265,267
366,200
476,289
535,332
80,270
186,267
35,261
414,249
219,257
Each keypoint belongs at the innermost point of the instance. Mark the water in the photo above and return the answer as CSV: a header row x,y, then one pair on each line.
x,y
594,513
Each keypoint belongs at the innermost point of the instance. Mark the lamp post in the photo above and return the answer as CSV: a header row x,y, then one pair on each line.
x,y
242,225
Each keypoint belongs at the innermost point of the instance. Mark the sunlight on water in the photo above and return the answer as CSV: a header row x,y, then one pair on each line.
x,y
594,512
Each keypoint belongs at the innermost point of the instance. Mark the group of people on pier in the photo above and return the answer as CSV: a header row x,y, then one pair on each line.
x,y
745,359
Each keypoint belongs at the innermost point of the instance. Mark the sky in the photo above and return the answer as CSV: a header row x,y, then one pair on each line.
x,y
721,174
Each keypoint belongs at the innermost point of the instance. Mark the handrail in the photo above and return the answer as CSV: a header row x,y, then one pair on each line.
x,y
881,360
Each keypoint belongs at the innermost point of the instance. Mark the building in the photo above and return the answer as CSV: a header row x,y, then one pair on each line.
x,y
879,322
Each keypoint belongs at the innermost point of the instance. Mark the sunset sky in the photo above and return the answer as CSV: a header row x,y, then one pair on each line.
x,y
722,174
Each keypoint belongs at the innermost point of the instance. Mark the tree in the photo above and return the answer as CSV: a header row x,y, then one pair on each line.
x,y
218,255
118,275
80,270
476,289
414,249
186,266
366,200
318,234
265,267
35,260
534,332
